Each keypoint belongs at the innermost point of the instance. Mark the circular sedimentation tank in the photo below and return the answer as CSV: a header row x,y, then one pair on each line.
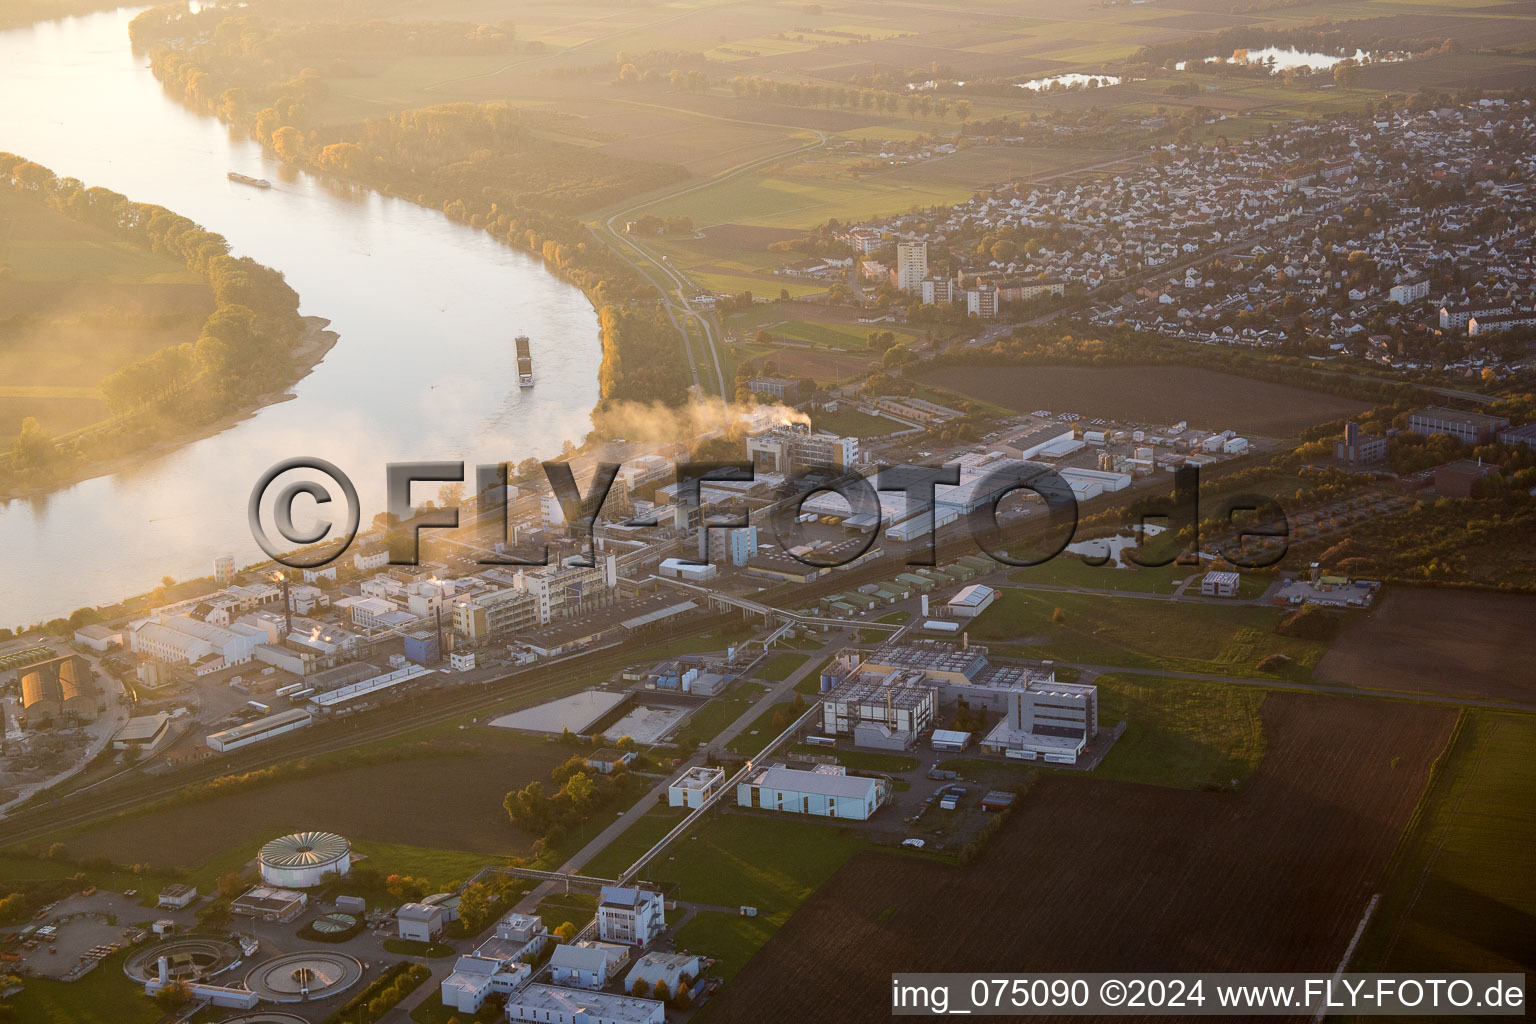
x,y
302,860
331,924
189,959
305,976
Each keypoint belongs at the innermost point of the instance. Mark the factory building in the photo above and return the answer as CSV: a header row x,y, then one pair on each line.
x,y
475,978
1466,427
1047,721
826,791
419,922
1219,584
183,639
887,710
788,449
58,688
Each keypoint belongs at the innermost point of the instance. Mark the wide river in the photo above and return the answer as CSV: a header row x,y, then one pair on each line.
x,y
426,311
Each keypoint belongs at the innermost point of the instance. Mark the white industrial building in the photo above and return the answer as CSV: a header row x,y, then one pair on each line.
x,y
419,922
475,978
181,639
303,860
552,1004
972,601
888,710
630,917
254,732
668,968
1219,584
695,786
1047,720
589,965
498,965
826,791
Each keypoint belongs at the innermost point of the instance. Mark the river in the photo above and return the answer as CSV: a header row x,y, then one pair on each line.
x,y
426,311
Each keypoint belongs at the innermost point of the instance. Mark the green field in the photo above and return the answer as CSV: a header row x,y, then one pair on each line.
x,y
1192,735
1459,896
730,939
782,666
705,724
1135,633
772,862
638,838
757,735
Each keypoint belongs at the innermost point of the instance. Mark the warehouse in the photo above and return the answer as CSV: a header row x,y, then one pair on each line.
x,y
255,732
972,601
825,791
142,732
60,688
302,860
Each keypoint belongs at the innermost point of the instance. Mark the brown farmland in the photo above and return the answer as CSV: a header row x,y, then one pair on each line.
x,y
1098,876
1150,394
1439,641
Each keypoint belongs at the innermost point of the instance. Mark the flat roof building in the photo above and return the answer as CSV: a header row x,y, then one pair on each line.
x,y
1048,721
826,791
552,1004
1466,427
695,786
1219,584
879,709
266,903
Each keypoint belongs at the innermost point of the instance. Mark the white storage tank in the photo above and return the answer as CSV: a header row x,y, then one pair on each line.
x,y
302,860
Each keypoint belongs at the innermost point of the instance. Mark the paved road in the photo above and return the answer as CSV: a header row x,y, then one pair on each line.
x,y
782,690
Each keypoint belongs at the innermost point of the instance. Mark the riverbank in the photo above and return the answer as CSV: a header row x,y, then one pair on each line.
x,y
311,348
